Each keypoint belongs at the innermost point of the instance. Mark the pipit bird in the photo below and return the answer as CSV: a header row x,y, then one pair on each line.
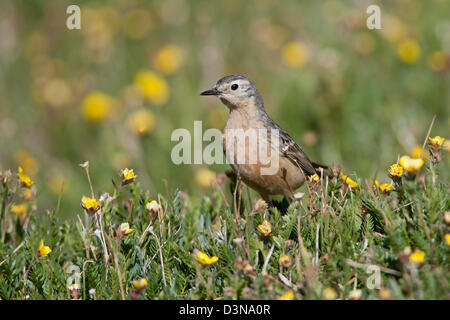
x,y
247,111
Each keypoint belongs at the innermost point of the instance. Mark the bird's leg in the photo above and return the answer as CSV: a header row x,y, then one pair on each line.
x,y
281,205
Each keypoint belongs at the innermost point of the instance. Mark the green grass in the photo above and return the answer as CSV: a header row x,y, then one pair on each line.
x,y
340,101
331,236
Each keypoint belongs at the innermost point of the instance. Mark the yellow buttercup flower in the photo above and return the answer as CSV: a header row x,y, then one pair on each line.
x,y
285,261
295,54
329,294
395,170
436,141
43,250
385,294
248,268
153,207
204,259
408,51
142,122
393,28
127,176
447,217
352,184
28,195
411,165
152,86
438,61
91,205
25,180
417,256
24,159
168,59
124,229
289,295
265,228
73,287
97,105
140,284
355,294
447,238
205,178
314,178
56,93
385,188
19,210
415,153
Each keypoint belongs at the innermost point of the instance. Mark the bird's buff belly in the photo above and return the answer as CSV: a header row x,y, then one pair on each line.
x,y
271,184
267,172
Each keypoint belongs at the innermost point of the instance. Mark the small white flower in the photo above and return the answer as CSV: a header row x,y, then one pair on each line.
x,y
84,165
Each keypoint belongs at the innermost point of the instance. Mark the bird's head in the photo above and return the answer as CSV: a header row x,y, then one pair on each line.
x,y
235,92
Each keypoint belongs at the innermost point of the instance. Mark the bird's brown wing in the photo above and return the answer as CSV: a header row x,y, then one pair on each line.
x,y
292,151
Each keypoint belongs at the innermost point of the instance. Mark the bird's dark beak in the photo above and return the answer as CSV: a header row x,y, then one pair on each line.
x,y
211,92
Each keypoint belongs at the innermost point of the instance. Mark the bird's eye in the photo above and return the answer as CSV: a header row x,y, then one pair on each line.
x,y
234,86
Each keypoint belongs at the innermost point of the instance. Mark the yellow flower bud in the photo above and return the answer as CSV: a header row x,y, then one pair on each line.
x,y
205,178
124,229
265,228
25,180
20,210
355,294
352,184
127,176
153,87
295,54
289,295
204,259
91,205
395,171
386,188
436,141
168,59
285,261
329,294
43,250
411,165
140,284
408,51
153,207
142,122
417,256
97,106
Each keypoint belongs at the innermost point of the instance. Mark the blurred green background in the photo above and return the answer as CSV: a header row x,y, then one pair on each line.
x,y
113,92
